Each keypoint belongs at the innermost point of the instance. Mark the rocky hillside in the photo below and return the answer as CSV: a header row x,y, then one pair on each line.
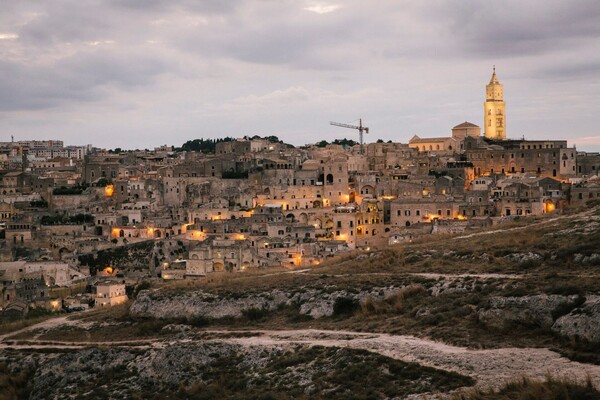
x,y
217,370
517,300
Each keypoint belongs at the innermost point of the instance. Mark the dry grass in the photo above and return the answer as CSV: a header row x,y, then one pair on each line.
x,y
527,389
391,304
13,326
118,312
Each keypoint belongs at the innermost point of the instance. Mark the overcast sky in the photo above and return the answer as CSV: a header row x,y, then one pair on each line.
x,y
141,73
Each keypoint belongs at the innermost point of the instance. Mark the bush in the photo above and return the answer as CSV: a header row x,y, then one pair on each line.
x,y
394,303
198,321
142,286
344,306
255,313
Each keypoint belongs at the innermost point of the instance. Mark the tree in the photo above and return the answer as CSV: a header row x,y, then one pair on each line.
x,y
203,145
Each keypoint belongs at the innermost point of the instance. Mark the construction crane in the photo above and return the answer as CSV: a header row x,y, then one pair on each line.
x,y
360,128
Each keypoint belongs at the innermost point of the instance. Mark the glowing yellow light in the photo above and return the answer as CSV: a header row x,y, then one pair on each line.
x,y
109,190
109,270
550,207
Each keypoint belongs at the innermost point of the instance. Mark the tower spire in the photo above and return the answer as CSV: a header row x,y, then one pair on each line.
x,y
494,77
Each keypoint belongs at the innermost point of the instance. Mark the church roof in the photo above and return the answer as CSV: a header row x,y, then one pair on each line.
x,y
494,79
417,139
466,124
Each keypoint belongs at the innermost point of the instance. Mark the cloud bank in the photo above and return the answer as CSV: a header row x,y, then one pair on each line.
x,y
137,74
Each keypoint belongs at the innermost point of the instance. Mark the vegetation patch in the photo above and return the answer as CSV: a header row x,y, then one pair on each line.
x,y
325,372
526,389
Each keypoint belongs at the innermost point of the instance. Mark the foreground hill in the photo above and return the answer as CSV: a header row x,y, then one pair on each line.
x,y
521,299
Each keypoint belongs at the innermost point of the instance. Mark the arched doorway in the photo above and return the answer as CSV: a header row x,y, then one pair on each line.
x,y
218,266
303,218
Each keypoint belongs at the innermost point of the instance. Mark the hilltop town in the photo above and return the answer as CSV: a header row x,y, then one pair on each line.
x,y
73,216
442,268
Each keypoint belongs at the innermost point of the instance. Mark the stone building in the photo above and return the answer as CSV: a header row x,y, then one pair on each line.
x,y
110,294
494,110
217,255
543,158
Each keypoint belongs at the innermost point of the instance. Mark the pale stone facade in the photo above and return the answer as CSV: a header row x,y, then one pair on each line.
x,y
494,110
110,294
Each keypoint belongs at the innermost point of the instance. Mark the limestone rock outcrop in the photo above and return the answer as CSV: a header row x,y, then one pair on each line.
x,y
582,322
536,311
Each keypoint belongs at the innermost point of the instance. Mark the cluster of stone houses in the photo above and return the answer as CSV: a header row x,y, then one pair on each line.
x,y
259,203
253,195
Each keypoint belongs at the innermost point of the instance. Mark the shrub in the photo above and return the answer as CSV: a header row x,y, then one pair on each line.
x,y
345,306
142,286
394,303
198,321
255,313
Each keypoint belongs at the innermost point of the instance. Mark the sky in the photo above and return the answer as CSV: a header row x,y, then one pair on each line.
x,y
142,73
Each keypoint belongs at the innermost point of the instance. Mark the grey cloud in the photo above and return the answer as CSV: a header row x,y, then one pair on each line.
x,y
60,22
571,70
517,28
74,79
162,6
202,55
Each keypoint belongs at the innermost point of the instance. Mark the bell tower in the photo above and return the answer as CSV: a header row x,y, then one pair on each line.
x,y
494,117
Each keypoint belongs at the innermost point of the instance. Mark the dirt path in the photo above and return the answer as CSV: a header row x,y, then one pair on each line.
x,y
47,324
480,276
489,367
